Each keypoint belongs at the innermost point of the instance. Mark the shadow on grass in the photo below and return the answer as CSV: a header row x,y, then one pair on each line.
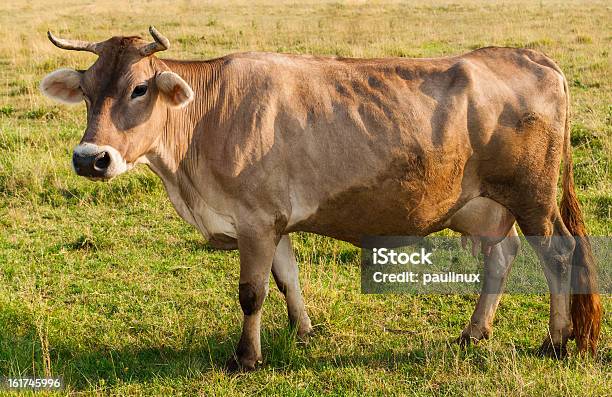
x,y
109,366
106,366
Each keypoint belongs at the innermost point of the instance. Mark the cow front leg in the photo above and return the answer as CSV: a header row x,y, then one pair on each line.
x,y
498,263
285,271
257,250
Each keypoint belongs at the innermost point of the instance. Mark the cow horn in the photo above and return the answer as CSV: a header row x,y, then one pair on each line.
x,y
160,44
76,45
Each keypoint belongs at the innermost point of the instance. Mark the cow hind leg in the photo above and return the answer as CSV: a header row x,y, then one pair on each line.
x,y
490,224
498,262
285,271
554,246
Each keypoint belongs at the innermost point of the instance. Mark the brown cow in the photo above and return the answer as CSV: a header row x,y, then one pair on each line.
x,y
253,146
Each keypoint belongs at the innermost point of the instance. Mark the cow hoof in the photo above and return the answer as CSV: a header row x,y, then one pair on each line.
x,y
472,335
466,340
304,328
304,336
305,332
236,364
553,350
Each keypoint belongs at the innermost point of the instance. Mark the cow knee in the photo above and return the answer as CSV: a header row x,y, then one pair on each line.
x,y
558,254
251,297
282,286
514,246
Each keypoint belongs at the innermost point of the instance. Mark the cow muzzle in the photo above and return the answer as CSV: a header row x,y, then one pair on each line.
x,y
98,162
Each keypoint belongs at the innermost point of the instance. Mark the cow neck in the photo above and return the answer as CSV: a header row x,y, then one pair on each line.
x,y
183,126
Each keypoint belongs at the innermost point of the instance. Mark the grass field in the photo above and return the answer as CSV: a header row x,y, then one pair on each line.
x,y
104,285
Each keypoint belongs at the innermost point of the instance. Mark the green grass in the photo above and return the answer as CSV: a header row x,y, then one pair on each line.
x,y
105,285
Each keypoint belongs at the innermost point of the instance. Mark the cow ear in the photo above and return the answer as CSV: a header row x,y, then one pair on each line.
x,y
174,89
63,85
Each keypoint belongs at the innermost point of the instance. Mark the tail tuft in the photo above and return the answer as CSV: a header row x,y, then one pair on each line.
x,y
586,309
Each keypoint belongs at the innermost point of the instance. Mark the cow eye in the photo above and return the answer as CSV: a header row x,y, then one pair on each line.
x,y
140,90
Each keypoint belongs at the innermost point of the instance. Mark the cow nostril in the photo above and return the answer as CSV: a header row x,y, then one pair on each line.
x,y
102,161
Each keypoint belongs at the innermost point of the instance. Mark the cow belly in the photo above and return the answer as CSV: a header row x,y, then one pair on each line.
x,y
394,203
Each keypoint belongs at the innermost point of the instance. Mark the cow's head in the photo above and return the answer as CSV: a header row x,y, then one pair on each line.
x,y
127,92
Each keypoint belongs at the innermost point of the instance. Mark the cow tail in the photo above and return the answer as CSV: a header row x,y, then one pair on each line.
x,y
586,310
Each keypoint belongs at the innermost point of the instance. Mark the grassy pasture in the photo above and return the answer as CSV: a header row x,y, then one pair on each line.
x,y
104,285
